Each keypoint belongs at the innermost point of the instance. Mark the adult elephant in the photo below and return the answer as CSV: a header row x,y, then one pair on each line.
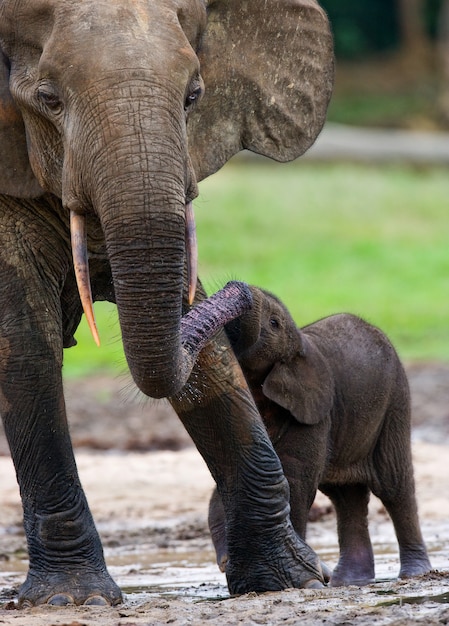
x,y
102,132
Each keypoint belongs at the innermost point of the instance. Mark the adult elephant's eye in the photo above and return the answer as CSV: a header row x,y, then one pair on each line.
x,y
194,94
49,98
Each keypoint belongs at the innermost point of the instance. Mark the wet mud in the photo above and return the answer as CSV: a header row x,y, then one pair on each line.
x,y
149,501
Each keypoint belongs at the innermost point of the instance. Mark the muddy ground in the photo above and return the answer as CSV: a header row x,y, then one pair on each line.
x,y
148,489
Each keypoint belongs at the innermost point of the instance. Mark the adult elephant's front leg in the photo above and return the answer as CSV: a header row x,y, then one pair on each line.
x,y
216,407
65,555
66,563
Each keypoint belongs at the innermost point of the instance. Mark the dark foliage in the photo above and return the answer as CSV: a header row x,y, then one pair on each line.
x,y
364,28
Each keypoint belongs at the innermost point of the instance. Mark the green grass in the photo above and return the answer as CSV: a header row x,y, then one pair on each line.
x,y
325,238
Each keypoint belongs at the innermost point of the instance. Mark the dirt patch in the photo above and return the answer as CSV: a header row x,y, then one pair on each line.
x,y
148,489
108,413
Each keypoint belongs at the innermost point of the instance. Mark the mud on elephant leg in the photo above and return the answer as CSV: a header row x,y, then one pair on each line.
x,y
227,430
66,561
65,553
217,527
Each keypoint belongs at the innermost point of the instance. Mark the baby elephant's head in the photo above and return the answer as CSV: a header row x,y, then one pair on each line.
x,y
282,361
265,335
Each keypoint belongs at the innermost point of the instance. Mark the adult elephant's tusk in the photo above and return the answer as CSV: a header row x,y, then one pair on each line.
x,y
191,252
78,235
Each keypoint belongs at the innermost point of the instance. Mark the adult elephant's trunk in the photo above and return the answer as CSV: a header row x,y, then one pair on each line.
x,y
138,184
146,254
161,346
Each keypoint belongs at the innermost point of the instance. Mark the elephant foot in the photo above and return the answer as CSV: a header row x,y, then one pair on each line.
x,y
414,562
77,587
286,563
353,572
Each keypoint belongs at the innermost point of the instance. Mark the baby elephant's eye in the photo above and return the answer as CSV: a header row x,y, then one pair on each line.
x,y
274,323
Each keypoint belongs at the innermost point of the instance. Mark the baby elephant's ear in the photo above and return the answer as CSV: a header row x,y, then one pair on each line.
x,y
304,385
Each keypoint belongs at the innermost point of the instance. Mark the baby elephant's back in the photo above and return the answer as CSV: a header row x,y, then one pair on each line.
x,y
369,381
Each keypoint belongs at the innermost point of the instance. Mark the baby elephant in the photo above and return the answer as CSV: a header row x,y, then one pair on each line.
x,y
335,400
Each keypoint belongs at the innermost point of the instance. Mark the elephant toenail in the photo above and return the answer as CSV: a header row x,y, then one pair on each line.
x,y
26,604
96,601
61,599
327,572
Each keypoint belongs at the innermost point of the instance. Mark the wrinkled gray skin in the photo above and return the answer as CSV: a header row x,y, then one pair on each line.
x,y
102,115
335,400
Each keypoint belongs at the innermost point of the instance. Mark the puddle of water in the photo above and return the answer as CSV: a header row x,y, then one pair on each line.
x,y
442,598
201,593
192,575
146,571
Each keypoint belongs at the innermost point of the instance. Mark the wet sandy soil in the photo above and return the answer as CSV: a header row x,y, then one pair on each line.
x,y
148,489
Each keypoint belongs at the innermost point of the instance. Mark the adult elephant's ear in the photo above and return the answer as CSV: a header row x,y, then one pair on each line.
x,y
268,71
16,176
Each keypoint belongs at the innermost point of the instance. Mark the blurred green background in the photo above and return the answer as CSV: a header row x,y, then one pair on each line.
x,y
392,62
328,237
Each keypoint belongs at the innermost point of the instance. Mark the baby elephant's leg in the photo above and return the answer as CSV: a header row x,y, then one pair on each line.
x,y
400,503
395,487
356,563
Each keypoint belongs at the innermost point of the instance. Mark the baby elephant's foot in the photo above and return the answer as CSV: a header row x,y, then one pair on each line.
x,y
414,562
350,572
61,589
350,578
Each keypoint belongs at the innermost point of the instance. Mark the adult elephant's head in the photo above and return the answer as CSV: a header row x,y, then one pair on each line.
x,y
102,105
